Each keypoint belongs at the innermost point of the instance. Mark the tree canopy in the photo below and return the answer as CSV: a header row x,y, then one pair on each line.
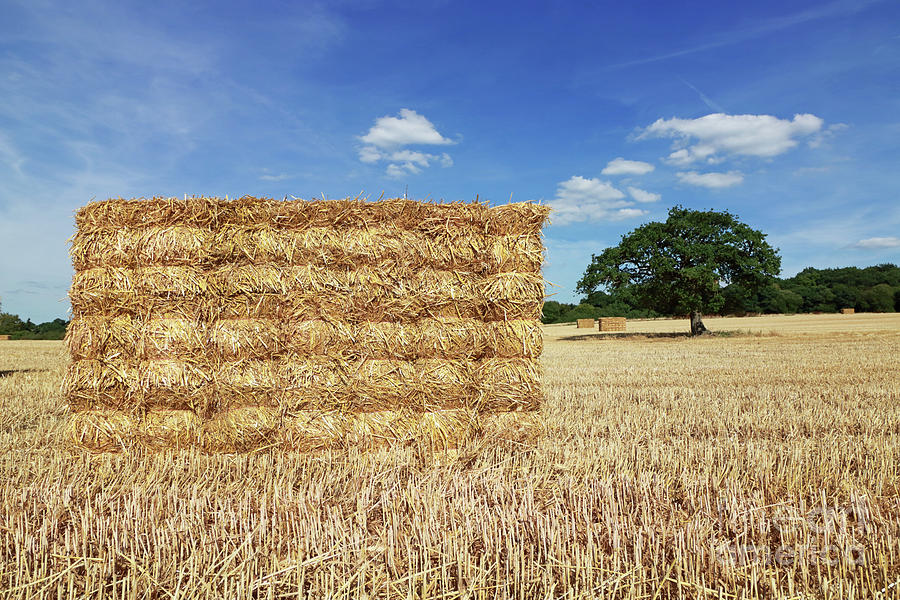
x,y
681,266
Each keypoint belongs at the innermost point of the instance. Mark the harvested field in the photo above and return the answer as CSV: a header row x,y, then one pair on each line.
x,y
775,324
752,466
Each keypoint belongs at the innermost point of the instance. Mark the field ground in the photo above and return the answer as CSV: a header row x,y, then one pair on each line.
x,y
824,323
764,465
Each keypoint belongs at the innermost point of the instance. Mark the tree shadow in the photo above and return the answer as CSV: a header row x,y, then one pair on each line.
x,y
8,372
623,336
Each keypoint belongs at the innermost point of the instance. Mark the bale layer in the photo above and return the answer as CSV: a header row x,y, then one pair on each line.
x,y
400,213
110,338
259,427
302,383
319,246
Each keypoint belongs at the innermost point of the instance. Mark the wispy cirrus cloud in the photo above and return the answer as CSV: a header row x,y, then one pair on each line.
x,y
836,8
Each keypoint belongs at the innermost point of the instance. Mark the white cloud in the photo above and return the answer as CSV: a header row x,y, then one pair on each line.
x,y
369,154
386,141
407,162
409,128
826,134
620,166
398,171
708,138
643,195
412,158
711,180
812,170
10,154
878,243
579,199
279,177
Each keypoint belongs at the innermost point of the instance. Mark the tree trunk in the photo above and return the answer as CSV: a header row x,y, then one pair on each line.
x,y
697,326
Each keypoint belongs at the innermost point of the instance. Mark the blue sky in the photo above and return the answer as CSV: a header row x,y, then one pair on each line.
x,y
785,113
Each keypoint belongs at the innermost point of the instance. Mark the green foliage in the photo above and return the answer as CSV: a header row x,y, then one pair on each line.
x,y
10,323
13,326
878,298
682,265
872,289
774,299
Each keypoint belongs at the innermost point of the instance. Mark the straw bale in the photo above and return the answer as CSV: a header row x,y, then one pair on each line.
x,y
113,247
612,323
101,337
241,429
168,337
433,218
92,384
245,338
135,213
124,383
351,305
102,284
240,324
507,384
259,427
518,338
325,246
308,384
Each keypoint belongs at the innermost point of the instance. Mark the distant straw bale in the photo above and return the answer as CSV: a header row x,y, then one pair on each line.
x,y
612,324
234,325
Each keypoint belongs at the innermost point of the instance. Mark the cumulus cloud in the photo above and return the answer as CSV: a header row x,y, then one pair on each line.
x,y
620,166
388,137
409,128
711,180
580,199
878,243
643,195
714,136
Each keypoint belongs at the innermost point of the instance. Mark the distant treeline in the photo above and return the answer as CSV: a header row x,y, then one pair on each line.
x,y
872,289
17,329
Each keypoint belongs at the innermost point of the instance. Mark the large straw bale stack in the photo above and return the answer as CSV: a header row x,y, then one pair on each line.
x,y
234,325
612,324
848,311
584,323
